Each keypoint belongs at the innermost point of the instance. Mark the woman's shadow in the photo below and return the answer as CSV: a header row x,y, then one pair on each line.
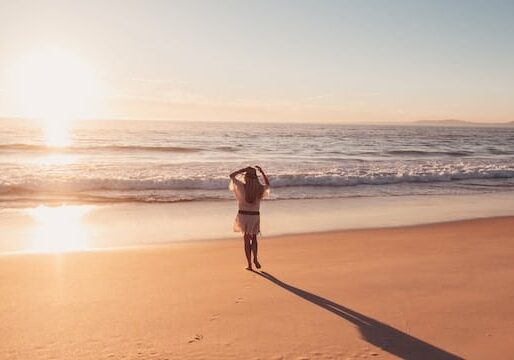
x,y
375,332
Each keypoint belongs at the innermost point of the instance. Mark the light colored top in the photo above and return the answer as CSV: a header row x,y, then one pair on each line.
x,y
238,188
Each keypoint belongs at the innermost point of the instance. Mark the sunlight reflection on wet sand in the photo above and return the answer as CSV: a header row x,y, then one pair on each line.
x,y
59,229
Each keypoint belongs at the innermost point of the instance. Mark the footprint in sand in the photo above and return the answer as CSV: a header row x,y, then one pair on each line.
x,y
196,338
239,299
214,317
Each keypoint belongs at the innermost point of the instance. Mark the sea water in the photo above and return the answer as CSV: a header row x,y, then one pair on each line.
x,y
160,162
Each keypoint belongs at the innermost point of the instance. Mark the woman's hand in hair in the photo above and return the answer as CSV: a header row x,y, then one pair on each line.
x,y
240,171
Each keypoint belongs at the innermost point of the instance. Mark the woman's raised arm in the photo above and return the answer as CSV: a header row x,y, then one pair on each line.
x,y
263,174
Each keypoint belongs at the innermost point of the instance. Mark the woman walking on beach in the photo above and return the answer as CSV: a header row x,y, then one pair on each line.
x,y
249,194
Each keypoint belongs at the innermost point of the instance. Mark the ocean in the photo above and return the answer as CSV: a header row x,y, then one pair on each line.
x,y
160,162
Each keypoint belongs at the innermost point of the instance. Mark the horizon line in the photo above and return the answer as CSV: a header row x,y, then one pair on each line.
x,y
421,122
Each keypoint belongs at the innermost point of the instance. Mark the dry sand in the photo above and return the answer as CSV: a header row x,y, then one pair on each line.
x,y
442,291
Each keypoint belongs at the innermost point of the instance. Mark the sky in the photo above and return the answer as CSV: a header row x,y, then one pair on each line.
x,y
302,61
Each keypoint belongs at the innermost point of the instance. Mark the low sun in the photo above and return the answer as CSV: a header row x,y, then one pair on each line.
x,y
56,88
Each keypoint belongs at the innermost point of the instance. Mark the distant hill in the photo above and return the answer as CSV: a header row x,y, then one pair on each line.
x,y
454,122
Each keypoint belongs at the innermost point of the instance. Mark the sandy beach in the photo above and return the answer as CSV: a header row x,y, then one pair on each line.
x,y
439,291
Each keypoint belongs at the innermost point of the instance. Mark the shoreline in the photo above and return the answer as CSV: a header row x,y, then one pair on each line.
x,y
129,225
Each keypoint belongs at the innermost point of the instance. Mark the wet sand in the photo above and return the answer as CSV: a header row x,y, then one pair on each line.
x,y
86,226
440,291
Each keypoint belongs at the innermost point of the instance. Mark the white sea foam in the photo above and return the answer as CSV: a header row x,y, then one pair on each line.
x,y
341,178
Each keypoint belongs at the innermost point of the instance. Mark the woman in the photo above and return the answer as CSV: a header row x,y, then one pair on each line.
x,y
249,195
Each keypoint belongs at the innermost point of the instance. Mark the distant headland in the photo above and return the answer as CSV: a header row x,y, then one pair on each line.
x,y
455,122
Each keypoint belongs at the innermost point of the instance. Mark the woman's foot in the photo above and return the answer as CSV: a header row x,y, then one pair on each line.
x,y
249,267
257,264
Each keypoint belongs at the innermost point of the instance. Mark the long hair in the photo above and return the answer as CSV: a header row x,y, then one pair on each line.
x,y
253,188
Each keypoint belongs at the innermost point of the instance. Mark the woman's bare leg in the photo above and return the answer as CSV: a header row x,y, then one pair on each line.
x,y
248,250
254,249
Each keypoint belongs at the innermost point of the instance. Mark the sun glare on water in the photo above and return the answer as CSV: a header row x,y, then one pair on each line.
x,y
56,88
59,229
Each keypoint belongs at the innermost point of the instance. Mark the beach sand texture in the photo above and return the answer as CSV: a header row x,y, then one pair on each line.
x,y
440,291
